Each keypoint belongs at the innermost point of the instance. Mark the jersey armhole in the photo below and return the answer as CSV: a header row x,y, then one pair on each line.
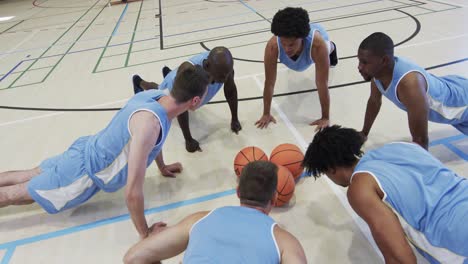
x,y
161,135
274,240
403,76
199,220
375,178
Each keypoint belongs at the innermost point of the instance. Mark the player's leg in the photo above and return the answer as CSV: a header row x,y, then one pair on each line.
x,y
140,85
15,195
8,178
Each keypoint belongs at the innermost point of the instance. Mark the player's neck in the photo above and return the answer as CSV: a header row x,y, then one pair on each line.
x,y
173,109
258,208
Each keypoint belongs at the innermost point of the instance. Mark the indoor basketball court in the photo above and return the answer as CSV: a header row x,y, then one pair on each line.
x,y
66,68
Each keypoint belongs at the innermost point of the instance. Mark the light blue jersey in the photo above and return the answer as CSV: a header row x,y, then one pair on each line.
x,y
233,234
97,162
106,153
447,96
213,88
305,58
430,200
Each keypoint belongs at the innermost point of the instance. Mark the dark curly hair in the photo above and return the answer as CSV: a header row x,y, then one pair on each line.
x,y
333,147
291,22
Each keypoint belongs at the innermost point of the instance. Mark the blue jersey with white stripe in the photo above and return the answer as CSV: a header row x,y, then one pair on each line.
x,y
106,153
305,58
213,88
447,96
430,200
233,234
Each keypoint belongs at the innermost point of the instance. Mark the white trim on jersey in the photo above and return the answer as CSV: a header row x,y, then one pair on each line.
x,y
199,220
274,240
61,196
375,178
419,240
107,174
448,112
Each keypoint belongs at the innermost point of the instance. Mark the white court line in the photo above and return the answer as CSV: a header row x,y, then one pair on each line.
x,y
54,114
431,41
109,103
339,193
19,44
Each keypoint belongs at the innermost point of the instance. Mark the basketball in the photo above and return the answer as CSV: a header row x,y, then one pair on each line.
x,y
285,186
246,155
290,156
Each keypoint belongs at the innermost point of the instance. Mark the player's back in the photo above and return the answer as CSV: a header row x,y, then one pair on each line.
x,y
233,234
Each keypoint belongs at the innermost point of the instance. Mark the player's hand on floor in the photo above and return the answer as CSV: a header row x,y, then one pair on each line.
x,y
171,169
156,228
320,123
236,126
192,146
264,121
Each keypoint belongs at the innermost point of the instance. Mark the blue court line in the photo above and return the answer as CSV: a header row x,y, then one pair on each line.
x,y
447,140
457,151
8,255
249,7
75,229
120,20
8,73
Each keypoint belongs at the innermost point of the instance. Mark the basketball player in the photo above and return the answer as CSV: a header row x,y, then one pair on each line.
x,y
230,234
115,157
218,63
422,95
298,44
403,193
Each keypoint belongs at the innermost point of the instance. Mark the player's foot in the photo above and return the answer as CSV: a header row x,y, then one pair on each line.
x,y
136,79
165,71
333,56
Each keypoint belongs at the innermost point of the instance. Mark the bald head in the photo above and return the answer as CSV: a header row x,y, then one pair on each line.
x,y
219,64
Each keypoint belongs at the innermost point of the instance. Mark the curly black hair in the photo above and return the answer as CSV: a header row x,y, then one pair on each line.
x,y
291,22
333,147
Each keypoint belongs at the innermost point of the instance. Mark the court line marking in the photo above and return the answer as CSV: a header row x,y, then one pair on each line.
x,y
53,114
338,193
111,220
8,254
103,104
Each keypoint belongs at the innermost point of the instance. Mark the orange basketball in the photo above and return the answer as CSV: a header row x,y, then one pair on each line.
x,y
246,155
290,156
285,186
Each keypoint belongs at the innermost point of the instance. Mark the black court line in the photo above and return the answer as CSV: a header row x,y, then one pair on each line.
x,y
416,32
161,36
317,21
12,27
442,3
213,102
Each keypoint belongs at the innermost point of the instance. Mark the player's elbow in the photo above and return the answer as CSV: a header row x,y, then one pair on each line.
x,y
133,196
130,258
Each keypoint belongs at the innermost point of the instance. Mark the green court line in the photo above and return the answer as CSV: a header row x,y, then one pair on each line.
x,y
37,59
40,68
22,85
133,35
107,43
134,51
12,27
73,44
